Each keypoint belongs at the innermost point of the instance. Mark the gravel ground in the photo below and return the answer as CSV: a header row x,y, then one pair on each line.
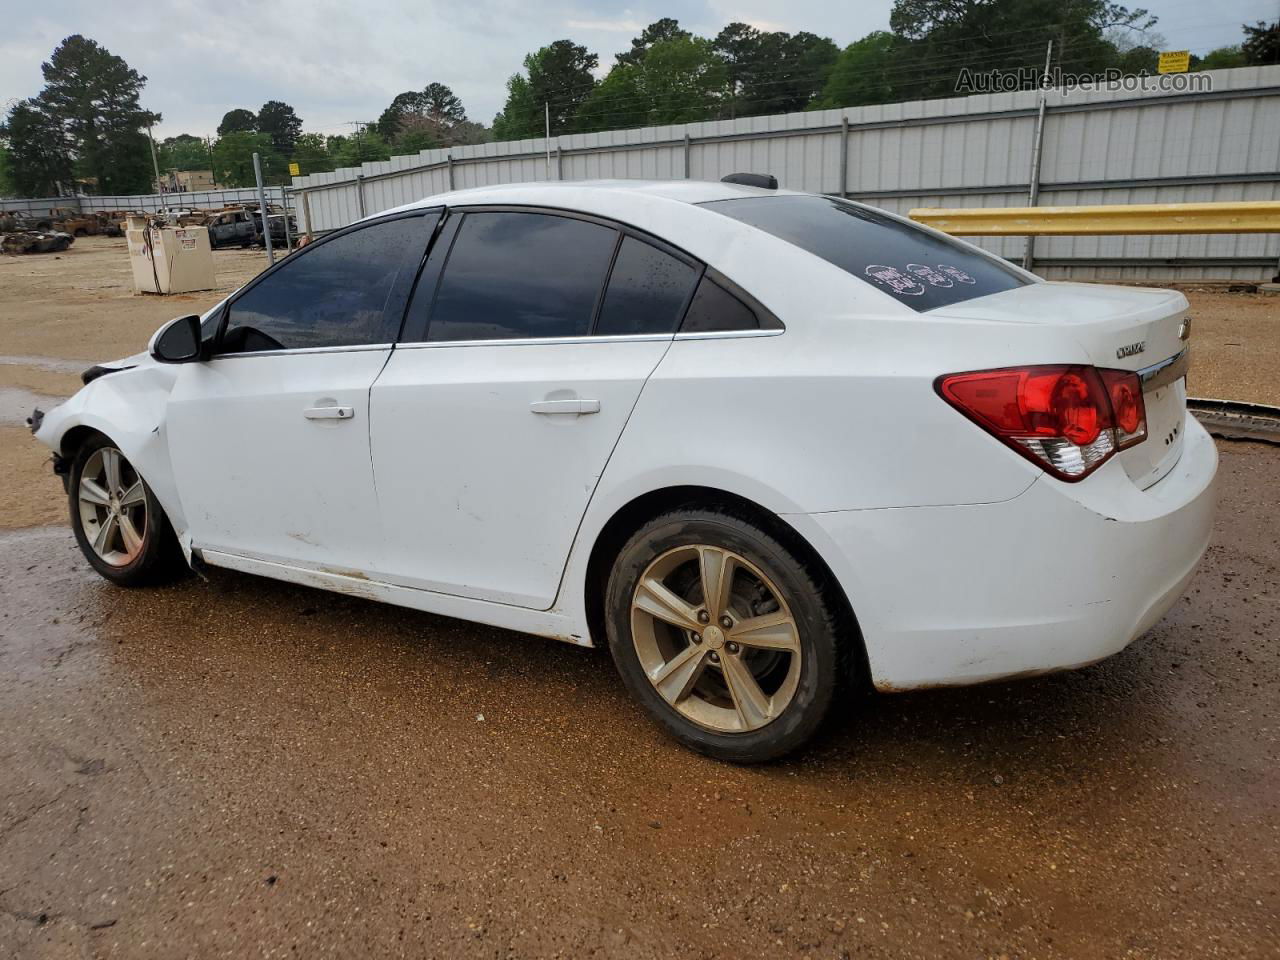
x,y
244,768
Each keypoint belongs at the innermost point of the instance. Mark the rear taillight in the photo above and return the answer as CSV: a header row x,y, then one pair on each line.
x,y
1067,419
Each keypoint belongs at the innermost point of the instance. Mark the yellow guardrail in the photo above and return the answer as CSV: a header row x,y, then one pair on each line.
x,y
1256,216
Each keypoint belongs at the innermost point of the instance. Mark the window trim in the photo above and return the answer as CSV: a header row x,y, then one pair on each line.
x,y
457,214
211,351
763,314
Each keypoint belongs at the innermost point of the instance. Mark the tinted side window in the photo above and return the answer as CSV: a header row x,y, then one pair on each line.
x,y
714,309
341,292
647,291
513,275
913,266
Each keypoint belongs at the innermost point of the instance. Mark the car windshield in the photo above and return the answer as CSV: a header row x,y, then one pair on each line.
x,y
917,268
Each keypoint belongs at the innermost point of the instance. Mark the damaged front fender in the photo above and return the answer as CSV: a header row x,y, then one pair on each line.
x,y
128,407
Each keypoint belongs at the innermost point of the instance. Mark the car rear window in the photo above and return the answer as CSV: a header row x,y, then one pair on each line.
x,y
915,267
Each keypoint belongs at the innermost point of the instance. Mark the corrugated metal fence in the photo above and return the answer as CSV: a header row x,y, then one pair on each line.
x,y
1112,145
149,203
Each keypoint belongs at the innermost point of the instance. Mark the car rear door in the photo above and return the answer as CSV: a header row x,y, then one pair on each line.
x,y
527,344
269,438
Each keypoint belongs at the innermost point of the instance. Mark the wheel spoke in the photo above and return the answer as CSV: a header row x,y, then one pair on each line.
x,y
749,700
106,534
134,495
716,569
772,631
129,533
674,680
111,468
91,492
653,598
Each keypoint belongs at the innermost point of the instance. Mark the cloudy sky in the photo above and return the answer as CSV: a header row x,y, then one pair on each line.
x,y
337,62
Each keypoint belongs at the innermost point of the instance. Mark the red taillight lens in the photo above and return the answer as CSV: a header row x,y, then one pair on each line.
x,y
1130,413
1067,419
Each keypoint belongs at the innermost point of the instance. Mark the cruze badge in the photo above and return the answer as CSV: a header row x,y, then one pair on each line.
x,y
1130,349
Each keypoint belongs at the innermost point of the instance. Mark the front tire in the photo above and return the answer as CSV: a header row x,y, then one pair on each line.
x,y
118,523
724,634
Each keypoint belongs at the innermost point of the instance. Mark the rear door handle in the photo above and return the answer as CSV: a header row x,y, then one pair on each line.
x,y
570,407
329,413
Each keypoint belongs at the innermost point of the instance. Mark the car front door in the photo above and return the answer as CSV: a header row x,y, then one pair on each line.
x,y
527,344
269,437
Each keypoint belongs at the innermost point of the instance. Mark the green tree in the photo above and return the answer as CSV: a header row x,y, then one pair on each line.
x,y
1261,44
6,173
233,160
944,35
278,121
93,95
1220,59
183,152
863,73
311,154
557,76
364,146
656,32
238,120
433,116
39,157
678,81
774,72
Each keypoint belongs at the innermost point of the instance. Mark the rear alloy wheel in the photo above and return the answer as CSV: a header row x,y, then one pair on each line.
x,y
118,523
724,635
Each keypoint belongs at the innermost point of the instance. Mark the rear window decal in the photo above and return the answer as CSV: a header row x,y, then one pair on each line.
x,y
895,280
929,275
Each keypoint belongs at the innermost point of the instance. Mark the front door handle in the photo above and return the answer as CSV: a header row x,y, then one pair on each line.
x,y
570,407
329,413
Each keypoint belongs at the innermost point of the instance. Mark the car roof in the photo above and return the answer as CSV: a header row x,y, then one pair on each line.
x,y
589,194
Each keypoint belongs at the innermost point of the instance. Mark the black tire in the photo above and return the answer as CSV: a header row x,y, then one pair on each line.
x,y
825,644
159,560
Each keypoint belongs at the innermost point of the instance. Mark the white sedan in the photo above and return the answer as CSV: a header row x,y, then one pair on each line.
x,y
766,445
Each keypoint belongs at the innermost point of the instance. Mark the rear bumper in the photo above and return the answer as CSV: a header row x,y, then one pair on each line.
x,y
1060,576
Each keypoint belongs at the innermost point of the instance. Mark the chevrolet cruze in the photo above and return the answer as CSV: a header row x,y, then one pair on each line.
x,y
765,445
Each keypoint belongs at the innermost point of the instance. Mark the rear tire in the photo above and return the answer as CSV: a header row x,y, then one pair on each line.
x,y
118,522
747,676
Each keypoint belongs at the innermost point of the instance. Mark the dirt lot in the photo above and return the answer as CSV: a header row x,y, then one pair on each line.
x,y
243,768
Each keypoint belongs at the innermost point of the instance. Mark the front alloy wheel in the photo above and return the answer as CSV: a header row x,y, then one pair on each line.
x,y
118,523
112,500
728,635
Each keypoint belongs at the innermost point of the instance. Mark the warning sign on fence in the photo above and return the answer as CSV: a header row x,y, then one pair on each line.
x,y
1175,61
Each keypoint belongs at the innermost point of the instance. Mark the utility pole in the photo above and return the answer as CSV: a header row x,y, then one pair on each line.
x,y
546,107
1037,145
155,164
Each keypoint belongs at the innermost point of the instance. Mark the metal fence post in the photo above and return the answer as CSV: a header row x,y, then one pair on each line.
x,y
450,169
559,163
263,212
844,156
360,193
1037,145
306,210
686,155
288,234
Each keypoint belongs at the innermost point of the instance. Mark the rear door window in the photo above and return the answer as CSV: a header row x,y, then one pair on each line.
x,y
647,292
913,266
513,275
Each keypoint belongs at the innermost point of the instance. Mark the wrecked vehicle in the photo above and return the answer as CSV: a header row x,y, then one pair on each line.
x,y
764,445
35,241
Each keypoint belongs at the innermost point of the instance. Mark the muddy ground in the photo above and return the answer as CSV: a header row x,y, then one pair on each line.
x,y
244,768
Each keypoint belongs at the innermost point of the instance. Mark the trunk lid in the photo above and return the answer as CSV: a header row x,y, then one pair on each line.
x,y
1119,328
